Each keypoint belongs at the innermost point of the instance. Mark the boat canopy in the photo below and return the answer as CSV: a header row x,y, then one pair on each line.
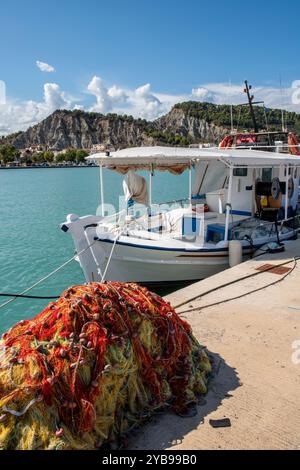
x,y
177,159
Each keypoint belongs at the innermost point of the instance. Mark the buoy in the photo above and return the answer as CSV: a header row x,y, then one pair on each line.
x,y
235,253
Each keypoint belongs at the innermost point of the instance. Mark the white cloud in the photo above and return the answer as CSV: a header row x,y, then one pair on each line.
x,y
103,101
53,97
145,103
44,67
117,94
224,93
139,102
15,116
201,93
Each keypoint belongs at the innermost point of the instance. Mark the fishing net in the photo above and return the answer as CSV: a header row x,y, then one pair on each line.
x,y
93,365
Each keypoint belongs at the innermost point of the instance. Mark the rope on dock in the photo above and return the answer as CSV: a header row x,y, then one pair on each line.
x,y
237,280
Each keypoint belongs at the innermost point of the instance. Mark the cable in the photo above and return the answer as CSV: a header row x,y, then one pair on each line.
x,y
22,294
246,293
247,276
29,296
112,250
46,277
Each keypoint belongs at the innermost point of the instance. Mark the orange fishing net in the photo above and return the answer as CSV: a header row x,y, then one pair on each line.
x,y
94,364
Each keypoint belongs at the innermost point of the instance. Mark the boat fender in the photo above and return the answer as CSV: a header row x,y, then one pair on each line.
x,y
235,253
290,188
275,188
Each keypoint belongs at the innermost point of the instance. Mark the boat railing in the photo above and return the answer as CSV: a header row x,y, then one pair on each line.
x,y
116,217
256,146
170,203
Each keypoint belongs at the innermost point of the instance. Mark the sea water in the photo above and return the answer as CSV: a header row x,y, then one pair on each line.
x,y
33,203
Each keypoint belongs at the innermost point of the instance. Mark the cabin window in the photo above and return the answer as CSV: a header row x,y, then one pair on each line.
x,y
240,172
267,174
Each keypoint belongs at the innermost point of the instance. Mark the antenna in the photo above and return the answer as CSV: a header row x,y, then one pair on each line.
x,y
247,90
282,104
250,104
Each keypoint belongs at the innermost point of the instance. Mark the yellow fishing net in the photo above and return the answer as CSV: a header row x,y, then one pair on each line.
x,y
93,365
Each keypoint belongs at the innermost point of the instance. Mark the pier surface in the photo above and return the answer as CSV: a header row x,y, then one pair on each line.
x,y
256,381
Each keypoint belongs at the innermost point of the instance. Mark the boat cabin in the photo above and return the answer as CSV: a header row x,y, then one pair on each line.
x,y
228,188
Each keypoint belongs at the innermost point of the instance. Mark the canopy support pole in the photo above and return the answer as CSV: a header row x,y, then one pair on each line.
x,y
286,193
190,185
150,186
228,205
102,190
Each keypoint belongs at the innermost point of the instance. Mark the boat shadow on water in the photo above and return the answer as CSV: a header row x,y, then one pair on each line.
x,y
166,288
168,429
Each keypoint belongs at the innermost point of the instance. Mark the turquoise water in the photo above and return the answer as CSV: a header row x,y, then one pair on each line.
x,y
33,202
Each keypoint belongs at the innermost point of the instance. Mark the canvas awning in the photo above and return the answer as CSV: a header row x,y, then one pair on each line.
x,y
176,159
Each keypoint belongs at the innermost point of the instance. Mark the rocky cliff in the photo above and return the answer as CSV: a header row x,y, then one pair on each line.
x,y
187,123
194,128
78,129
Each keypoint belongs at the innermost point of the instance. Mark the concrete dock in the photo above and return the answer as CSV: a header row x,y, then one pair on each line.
x,y
256,380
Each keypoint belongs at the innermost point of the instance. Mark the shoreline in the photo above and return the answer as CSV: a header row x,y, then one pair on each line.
x,y
41,167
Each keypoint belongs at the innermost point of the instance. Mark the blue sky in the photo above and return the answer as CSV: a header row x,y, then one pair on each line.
x,y
174,46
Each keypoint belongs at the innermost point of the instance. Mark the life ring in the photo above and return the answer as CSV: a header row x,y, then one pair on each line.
x,y
226,142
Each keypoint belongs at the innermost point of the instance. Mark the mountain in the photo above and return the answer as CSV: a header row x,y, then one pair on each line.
x,y
79,129
186,123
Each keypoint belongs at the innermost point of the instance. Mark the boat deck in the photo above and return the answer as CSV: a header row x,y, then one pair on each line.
x,y
256,383
158,227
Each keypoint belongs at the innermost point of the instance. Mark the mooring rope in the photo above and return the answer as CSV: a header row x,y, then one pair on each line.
x,y
229,299
112,250
21,294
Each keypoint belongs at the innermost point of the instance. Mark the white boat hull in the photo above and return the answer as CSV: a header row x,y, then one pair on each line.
x,y
141,264
145,261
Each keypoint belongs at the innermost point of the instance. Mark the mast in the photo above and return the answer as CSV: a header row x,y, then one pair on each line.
x,y
231,109
282,103
250,101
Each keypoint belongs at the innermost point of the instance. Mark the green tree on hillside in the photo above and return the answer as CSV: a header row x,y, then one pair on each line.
x,y
49,156
60,157
72,155
8,153
43,157
80,155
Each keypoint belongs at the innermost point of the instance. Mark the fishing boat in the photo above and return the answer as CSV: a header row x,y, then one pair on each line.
x,y
234,194
267,140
